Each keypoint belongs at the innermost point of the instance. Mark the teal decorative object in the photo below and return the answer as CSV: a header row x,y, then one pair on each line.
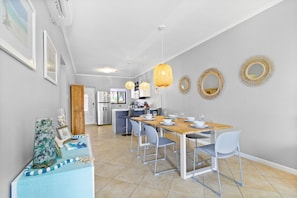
x,y
44,144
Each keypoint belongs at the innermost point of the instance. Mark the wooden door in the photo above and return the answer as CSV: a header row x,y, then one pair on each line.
x,y
77,109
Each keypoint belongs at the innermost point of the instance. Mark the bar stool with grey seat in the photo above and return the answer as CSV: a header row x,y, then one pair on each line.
x,y
130,114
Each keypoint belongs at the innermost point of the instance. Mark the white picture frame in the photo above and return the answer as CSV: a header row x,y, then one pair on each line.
x,y
17,31
50,59
64,133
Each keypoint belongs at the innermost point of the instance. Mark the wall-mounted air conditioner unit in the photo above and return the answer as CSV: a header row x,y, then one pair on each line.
x,y
60,11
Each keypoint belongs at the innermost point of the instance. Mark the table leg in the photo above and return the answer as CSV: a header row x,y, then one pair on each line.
x,y
213,135
183,161
161,132
183,158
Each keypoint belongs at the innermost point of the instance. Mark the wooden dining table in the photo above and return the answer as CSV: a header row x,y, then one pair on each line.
x,y
182,127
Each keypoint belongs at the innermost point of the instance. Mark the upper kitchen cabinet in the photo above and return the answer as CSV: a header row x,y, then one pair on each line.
x,y
140,92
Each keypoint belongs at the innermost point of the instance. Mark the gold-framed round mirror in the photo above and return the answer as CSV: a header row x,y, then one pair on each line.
x,y
256,70
184,84
210,83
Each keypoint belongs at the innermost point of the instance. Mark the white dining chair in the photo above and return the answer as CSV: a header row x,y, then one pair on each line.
x,y
225,146
139,133
157,142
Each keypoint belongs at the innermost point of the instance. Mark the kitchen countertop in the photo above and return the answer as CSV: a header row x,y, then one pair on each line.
x,y
137,109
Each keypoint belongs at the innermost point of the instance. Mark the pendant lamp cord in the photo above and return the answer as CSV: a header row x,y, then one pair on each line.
x,y
162,46
161,28
129,71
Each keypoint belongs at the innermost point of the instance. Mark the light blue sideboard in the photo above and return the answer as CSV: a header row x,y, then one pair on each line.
x,y
75,180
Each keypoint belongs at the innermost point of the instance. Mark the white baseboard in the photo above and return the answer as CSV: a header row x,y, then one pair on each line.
x,y
259,160
269,163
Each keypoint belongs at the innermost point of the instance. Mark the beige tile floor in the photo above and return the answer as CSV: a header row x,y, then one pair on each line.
x,y
119,174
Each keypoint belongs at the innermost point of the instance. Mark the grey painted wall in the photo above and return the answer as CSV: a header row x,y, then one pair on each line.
x,y
26,95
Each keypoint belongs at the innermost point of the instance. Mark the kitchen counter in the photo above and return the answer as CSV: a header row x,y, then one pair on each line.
x,y
119,121
136,109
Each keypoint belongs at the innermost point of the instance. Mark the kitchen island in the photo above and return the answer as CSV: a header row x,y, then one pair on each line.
x,y
119,120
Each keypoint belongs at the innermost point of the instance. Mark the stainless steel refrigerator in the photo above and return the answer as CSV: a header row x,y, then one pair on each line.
x,y
103,108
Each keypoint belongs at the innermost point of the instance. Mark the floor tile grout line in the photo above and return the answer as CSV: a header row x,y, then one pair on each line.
x,y
106,135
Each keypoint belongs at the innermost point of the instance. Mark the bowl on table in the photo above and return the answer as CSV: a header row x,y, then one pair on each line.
x,y
148,116
199,122
167,121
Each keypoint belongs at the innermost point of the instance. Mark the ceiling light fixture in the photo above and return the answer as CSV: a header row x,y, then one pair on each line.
x,y
163,73
129,84
107,70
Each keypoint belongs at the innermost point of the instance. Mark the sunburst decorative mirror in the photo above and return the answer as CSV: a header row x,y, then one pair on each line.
x,y
184,84
210,83
256,70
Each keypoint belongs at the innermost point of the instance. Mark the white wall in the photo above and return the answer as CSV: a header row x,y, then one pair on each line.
x,y
26,95
266,114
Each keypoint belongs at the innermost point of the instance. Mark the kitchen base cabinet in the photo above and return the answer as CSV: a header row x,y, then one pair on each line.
x,y
119,121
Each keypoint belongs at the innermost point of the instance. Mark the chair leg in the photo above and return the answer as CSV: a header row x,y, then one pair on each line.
x,y
201,182
240,183
144,153
176,158
189,146
240,169
139,145
219,180
175,146
156,159
194,164
131,142
137,152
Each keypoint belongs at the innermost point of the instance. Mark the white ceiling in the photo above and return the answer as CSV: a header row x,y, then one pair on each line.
x,y
124,33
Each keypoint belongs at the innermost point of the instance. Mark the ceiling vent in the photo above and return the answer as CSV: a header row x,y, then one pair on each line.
x,y
60,11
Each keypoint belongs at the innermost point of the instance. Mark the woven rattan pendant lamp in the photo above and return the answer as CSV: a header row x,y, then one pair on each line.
x,y
163,73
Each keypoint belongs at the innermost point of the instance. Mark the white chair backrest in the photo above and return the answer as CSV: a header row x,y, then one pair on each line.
x,y
151,134
135,127
227,142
